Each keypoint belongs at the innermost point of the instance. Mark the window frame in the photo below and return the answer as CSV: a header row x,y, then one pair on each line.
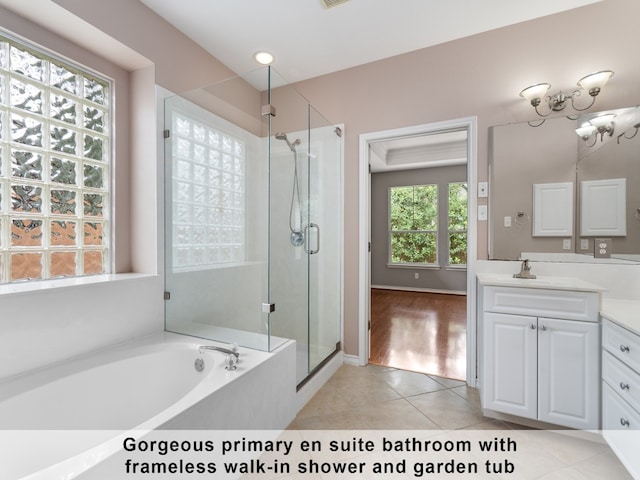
x,y
81,129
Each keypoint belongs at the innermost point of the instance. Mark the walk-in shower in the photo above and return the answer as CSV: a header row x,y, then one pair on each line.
x,y
296,235
238,195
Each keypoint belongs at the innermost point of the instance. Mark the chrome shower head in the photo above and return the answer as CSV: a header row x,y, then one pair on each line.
x,y
283,136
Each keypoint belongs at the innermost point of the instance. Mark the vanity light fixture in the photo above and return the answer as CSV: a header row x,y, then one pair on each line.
x,y
624,135
599,126
263,58
592,84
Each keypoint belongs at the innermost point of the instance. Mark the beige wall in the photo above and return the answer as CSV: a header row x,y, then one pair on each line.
x,y
479,75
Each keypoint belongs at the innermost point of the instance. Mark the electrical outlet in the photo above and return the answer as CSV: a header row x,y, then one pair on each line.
x,y
584,244
416,275
507,221
566,244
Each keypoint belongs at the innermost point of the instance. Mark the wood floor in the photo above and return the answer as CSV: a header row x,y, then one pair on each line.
x,y
421,332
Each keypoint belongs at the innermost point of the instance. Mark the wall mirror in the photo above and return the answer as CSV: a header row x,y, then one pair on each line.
x,y
566,189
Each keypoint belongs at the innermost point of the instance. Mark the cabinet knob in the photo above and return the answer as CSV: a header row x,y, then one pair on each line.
x,y
624,386
543,328
624,422
624,348
532,326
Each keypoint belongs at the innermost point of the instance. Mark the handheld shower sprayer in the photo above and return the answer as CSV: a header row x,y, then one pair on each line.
x,y
296,236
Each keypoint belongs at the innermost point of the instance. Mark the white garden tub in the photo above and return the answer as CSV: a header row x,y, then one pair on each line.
x,y
62,420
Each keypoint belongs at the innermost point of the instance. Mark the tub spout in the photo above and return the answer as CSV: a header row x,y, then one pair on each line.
x,y
228,351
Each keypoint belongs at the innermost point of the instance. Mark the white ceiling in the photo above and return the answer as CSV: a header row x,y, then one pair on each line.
x,y
309,40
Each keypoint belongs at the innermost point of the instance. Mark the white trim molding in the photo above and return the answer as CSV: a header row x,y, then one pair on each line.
x,y
364,279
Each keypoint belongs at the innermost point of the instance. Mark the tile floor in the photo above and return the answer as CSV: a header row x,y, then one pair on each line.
x,y
383,398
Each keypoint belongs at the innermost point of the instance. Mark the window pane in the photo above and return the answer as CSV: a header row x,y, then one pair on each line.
x,y
26,233
457,249
26,63
93,263
414,248
426,207
63,171
26,165
63,264
25,130
26,266
457,206
63,233
26,97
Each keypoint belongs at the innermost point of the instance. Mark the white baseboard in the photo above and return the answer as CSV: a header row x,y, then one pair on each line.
x,y
424,290
351,360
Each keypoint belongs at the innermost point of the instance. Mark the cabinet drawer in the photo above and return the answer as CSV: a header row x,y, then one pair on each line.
x,y
624,381
535,302
616,413
622,344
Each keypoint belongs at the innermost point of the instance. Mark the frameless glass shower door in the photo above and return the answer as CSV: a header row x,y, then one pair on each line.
x,y
253,218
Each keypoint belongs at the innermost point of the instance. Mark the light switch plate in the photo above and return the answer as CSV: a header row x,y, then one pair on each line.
x,y
507,221
482,212
483,189
584,244
566,244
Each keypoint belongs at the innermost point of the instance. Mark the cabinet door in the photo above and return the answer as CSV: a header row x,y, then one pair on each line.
x,y
510,364
568,376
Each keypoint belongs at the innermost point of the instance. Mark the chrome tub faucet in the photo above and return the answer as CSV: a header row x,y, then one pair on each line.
x,y
232,354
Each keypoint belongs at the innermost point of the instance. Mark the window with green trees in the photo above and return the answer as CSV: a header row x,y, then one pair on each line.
x,y
414,224
457,223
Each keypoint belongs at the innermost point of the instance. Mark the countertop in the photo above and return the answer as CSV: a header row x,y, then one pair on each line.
x,y
546,282
625,313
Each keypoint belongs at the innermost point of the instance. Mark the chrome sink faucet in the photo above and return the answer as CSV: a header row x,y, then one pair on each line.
x,y
525,271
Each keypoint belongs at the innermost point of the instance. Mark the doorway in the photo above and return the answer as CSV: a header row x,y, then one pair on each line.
x,y
370,153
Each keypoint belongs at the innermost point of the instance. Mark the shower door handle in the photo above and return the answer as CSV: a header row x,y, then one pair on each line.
x,y
307,237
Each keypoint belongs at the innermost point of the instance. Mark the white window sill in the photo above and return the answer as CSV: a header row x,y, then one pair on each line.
x,y
456,267
414,266
32,286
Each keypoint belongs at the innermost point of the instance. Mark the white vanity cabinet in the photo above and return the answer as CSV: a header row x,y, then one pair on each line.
x,y
541,357
621,380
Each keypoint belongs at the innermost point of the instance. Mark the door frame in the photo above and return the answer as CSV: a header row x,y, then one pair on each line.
x,y
364,277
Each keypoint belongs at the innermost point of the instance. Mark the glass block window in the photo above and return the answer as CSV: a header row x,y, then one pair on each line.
x,y
54,167
413,224
208,182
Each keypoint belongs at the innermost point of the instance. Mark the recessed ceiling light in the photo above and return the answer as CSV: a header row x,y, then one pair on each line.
x,y
265,58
